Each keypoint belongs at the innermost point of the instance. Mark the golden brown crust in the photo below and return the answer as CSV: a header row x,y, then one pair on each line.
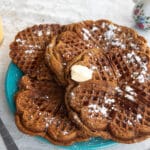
x,y
28,48
114,104
79,37
113,107
41,112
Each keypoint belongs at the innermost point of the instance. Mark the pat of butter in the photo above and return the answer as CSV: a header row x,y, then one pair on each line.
x,y
1,30
81,73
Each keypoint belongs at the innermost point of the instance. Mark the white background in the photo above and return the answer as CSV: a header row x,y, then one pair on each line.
x,y
18,14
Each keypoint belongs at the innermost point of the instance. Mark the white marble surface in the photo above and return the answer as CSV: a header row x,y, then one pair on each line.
x,y
18,14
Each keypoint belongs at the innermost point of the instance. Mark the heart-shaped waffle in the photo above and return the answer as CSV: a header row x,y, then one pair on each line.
x,y
112,106
28,49
41,112
80,37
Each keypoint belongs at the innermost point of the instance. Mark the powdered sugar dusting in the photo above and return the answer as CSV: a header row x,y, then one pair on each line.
x,y
134,46
130,97
132,57
65,132
30,51
72,94
103,110
109,100
103,25
50,45
48,32
40,33
20,41
139,117
47,125
90,54
129,123
119,29
48,121
93,67
100,37
109,34
46,97
94,28
95,108
34,46
141,78
130,90
112,27
64,64
118,89
118,43
86,34
130,93
106,68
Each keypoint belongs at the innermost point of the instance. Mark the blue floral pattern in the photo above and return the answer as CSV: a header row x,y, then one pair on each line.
x,y
142,21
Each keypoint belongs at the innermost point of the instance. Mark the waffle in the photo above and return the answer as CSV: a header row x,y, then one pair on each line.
x,y
96,61
79,37
66,45
28,48
112,106
41,112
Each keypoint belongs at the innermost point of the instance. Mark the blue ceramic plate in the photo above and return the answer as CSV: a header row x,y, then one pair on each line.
x,y
13,75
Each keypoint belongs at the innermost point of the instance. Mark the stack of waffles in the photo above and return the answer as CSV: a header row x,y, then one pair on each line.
x,y
82,80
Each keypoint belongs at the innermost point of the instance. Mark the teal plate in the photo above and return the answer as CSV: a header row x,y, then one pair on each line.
x,y
13,75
